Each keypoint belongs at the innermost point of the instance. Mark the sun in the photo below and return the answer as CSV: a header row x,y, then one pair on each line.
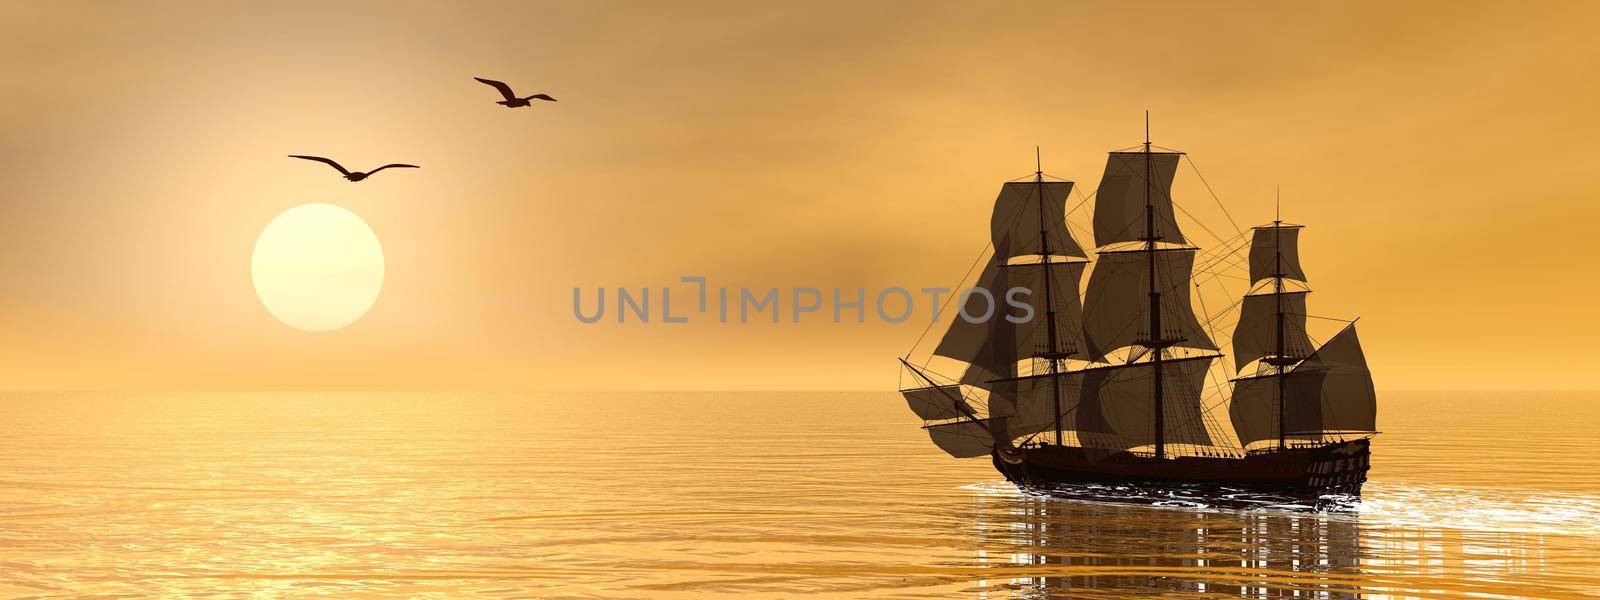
x,y
317,267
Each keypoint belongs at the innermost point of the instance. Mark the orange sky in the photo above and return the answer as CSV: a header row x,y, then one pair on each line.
x,y
1436,150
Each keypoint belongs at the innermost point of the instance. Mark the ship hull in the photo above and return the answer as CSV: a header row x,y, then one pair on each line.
x,y
1334,468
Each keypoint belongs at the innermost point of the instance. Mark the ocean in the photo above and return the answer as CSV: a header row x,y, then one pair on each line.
x,y
725,494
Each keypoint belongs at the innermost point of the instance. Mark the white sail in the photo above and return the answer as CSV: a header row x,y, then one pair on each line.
x,y
989,345
1256,337
1132,182
1329,391
1115,407
1112,407
963,439
1254,409
1033,337
1117,306
992,347
1035,403
1349,401
1016,219
937,403
1275,252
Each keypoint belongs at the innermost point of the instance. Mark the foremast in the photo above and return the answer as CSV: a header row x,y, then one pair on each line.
x,y
1029,227
1052,352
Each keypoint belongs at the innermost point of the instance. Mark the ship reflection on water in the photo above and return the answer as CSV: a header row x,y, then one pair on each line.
x,y
1142,543
1202,496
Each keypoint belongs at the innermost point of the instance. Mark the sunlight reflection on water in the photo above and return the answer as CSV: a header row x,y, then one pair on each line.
x,y
694,495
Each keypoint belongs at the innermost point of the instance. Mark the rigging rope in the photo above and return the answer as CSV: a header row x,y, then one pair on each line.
x,y
1224,207
1223,261
947,301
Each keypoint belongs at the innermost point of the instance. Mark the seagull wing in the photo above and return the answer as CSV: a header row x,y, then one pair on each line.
x,y
541,97
396,165
505,90
326,161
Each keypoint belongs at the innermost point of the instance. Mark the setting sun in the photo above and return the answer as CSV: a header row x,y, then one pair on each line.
x,y
317,267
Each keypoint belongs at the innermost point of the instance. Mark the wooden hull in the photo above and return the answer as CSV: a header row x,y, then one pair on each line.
x,y
1334,468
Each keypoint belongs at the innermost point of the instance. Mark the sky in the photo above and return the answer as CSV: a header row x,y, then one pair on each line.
x,y
1435,150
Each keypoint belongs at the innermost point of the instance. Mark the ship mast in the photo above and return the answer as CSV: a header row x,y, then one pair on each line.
x,y
1155,344
1277,298
1053,352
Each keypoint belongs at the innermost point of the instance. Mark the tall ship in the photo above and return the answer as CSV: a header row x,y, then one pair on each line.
x,y
1125,383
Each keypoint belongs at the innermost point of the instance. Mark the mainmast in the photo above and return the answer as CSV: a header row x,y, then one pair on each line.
x,y
1139,297
1054,350
1155,344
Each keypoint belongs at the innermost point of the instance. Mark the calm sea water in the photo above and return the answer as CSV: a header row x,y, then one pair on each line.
x,y
738,495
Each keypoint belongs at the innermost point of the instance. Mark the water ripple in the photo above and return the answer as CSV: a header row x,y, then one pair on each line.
x,y
741,495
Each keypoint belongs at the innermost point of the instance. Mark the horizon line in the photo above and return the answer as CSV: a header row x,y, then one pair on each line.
x,y
630,390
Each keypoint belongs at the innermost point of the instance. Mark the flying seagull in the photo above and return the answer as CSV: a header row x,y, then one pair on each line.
x,y
352,175
512,101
